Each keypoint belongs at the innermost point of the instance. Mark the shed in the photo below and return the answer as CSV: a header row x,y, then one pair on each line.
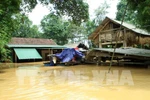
x,y
29,49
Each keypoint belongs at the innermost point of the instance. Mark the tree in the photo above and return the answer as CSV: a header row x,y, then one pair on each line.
x,y
130,15
76,9
139,11
62,31
143,12
100,13
7,9
24,27
4,52
53,27
90,26
75,33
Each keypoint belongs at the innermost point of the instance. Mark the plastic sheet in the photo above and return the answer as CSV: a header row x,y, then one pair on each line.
x,y
68,54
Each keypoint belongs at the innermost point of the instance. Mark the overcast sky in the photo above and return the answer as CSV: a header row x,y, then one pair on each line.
x,y
39,12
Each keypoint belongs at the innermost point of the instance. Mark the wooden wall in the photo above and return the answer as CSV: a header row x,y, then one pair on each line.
x,y
111,33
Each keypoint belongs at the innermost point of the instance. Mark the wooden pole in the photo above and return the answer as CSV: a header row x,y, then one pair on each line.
x,y
49,53
117,39
100,41
15,58
124,39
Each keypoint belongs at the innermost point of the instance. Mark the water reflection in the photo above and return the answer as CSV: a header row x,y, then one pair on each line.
x,y
26,72
82,82
72,75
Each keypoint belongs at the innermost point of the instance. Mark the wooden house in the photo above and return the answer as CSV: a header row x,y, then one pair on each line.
x,y
126,35
32,49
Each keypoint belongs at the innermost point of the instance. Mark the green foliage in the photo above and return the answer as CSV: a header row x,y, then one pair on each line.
x,y
75,33
130,15
138,12
53,27
24,27
90,26
4,39
7,9
76,9
28,5
100,13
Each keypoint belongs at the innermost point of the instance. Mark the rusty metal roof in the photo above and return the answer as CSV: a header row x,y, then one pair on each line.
x,y
31,41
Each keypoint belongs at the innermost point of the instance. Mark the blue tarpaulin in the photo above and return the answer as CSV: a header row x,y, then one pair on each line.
x,y
68,54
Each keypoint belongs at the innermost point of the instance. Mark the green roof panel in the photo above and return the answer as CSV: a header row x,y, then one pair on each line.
x,y
27,53
36,46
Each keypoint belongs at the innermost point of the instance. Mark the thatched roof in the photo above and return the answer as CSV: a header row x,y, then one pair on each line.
x,y
107,20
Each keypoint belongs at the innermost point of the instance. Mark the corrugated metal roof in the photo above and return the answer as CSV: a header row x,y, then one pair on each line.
x,y
27,53
126,25
36,46
127,51
133,28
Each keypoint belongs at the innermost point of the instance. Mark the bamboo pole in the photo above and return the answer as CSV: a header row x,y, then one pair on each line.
x,y
117,38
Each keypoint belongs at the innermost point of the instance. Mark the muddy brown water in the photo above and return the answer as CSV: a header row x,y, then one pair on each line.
x,y
81,82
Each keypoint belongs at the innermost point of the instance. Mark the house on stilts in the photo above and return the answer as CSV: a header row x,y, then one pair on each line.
x,y
108,32
131,43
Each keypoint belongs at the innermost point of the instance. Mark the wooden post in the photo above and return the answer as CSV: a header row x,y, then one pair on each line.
x,y
100,41
112,33
148,66
15,58
141,42
105,37
124,38
49,53
98,61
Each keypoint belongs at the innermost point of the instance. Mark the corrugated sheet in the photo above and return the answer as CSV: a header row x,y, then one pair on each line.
x,y
36,46
127,51
132,27
127,25
27,53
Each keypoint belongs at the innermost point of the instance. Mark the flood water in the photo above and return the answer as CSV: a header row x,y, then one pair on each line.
x,y
80,82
